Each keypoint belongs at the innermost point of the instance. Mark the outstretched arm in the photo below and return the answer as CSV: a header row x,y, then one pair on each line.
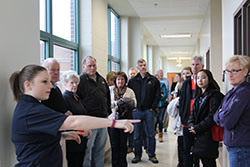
x,y
88,122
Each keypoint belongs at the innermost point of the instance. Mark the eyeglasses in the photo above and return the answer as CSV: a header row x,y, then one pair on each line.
x,y
234,72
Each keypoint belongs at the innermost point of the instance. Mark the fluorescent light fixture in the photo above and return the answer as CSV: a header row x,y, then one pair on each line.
x,y
176,36
176,58
180,52
179,65
172,58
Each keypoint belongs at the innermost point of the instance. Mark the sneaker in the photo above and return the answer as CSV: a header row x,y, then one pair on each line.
x,y
136,160
130,150
153,160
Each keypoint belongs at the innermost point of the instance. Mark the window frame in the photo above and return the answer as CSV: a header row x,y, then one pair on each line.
x,y
112,58
51,40
241,29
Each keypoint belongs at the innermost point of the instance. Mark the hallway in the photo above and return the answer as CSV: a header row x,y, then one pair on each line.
x,y
166,153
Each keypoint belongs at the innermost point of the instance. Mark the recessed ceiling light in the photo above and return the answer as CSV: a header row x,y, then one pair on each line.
x,y
176,36
180,52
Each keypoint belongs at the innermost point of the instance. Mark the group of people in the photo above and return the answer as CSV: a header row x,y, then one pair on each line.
x,y
200,105
44,115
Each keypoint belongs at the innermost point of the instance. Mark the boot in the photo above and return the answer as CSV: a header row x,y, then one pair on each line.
x,y
160,137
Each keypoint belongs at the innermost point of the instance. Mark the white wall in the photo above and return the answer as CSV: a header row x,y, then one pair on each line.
x,y
94,33
156,62
228,9
211,38
216,40
100,35
134,40
205,34
19,43
169,66
132,44
149,59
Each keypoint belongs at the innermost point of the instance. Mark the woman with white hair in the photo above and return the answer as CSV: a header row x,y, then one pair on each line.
x,y
74,152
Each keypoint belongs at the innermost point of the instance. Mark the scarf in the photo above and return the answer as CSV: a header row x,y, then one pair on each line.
x,y
119,93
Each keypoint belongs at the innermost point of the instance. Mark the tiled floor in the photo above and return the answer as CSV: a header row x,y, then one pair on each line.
x,y
166,153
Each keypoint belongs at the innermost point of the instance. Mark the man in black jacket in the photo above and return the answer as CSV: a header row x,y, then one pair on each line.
x,y
95,95
147,91
185,109
55,100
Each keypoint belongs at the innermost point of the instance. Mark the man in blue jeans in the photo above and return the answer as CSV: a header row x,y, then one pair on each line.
x,y
94,93
147,91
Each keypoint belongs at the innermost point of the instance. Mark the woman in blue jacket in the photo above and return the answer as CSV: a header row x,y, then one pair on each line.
x,y
234,112
162,105
36,129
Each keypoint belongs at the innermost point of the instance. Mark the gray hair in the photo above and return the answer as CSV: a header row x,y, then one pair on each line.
x,y
195,58
67,75
141,61
48,61
132,68
86,58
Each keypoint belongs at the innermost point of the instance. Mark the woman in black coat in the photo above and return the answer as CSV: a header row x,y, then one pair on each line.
x,y
207,100
74,152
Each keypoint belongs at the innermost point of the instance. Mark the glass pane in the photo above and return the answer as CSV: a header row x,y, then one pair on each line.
x,y
114,66
42,15
63,13
65,57
114,35
42,51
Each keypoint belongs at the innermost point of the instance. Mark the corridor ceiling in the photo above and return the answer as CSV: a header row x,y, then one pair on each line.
x,y
161,17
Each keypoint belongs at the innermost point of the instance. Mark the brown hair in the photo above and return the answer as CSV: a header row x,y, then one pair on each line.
x,y
181,81
187,68
110,76
122,74
17,79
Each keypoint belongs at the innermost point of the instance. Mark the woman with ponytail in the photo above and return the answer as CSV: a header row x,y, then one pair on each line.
x,y
36,129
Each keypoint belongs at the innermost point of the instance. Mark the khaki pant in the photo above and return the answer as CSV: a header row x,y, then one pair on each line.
x,y
63,146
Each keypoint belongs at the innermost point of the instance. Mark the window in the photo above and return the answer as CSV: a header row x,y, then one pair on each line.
x,y
42,50
59,32
113,41
242,29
